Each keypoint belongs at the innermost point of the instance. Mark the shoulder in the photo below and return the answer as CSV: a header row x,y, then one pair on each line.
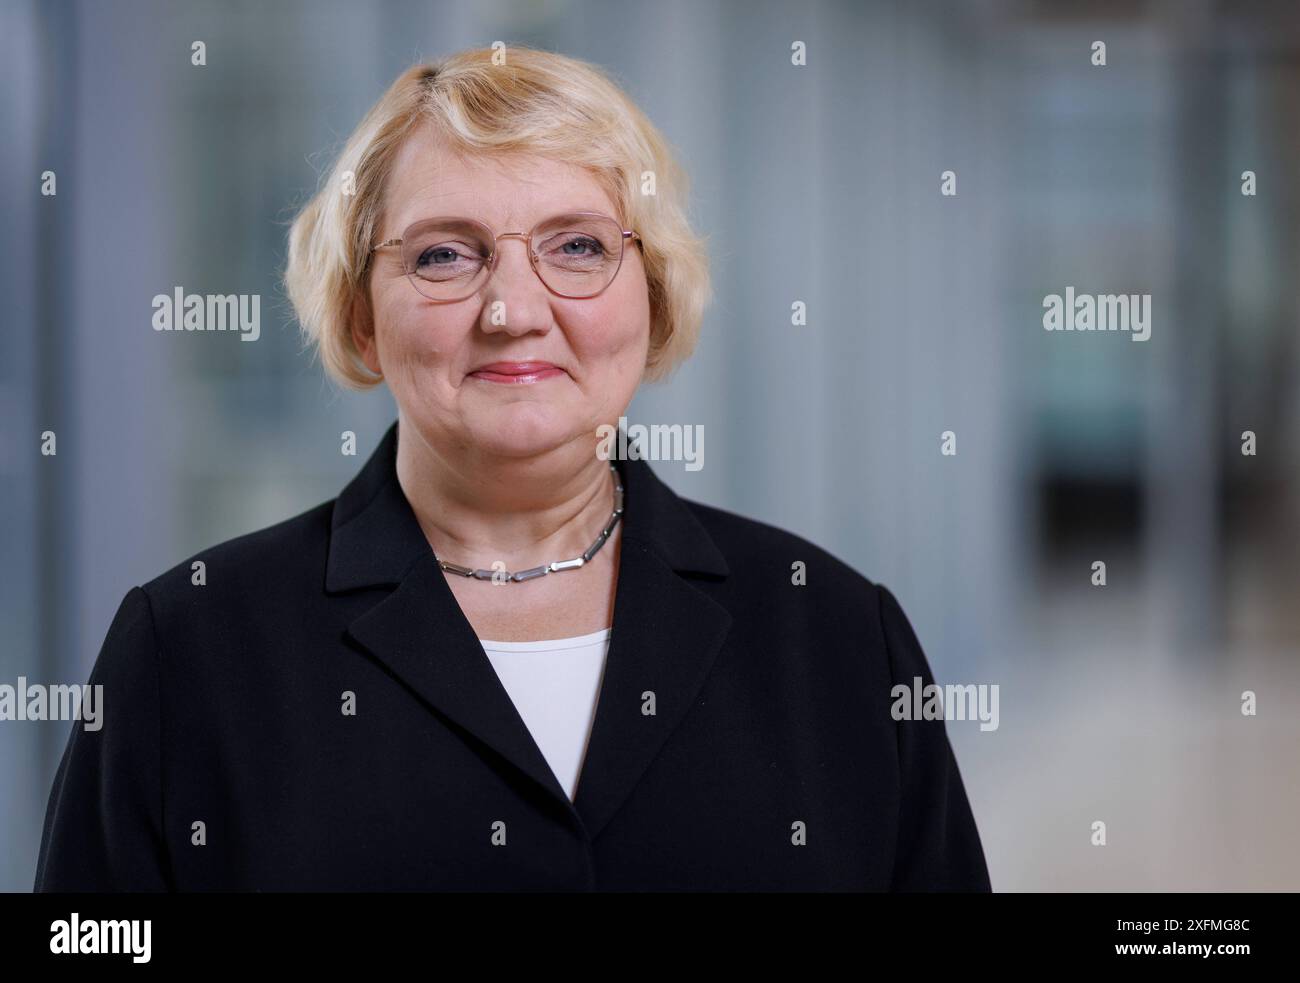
x,y
765,557
764,560
265,563
747,542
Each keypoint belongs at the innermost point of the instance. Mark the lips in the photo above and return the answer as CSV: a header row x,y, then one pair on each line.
x,y
516,373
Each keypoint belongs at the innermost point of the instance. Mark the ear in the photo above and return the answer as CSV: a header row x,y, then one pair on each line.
x,y
362,325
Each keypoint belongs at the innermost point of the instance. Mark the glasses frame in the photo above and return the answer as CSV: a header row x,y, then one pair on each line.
x,y
527,239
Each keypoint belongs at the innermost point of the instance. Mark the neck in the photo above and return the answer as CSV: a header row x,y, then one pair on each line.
x,y
476,509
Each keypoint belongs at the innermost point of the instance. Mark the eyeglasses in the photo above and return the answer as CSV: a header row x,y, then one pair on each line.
x,y
576,255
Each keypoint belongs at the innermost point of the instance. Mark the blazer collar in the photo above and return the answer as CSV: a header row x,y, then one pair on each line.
x,y
666,631
375,537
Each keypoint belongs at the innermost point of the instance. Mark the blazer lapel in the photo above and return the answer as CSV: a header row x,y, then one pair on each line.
x,y
666,631
418,631
666,635
422,636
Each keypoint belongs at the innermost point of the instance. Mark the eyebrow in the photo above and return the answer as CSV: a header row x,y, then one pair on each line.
x,y
466,220
452,220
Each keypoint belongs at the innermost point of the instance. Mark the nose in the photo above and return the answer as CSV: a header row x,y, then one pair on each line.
x,y
515,299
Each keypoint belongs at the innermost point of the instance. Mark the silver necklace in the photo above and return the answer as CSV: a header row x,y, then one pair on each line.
x,y
503,576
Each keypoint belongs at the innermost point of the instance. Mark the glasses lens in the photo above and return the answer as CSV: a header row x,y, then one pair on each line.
x,y
578,255
447,258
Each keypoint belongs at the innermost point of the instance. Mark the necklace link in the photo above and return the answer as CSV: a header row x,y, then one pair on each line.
x,y
556,565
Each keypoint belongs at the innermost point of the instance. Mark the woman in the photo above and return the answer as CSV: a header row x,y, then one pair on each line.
x,y
499,661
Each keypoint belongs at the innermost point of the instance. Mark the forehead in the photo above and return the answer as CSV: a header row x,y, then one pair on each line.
x,y
507,193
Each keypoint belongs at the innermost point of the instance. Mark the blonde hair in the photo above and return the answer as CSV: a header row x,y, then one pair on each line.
x,y
533,102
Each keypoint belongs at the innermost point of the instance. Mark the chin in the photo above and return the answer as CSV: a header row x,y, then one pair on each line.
x,y
525,428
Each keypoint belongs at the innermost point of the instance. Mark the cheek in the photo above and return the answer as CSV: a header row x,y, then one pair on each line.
x,y
619,325
407,333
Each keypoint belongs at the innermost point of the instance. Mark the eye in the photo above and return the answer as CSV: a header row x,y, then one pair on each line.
x,y
447,260
441,255
582,243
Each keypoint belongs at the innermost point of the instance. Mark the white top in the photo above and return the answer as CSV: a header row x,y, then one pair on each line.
x,y
554,685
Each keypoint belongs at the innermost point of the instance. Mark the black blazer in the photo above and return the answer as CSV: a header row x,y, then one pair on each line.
x,y
771,761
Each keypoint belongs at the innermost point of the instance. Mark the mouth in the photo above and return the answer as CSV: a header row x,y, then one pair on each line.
x,y
516,373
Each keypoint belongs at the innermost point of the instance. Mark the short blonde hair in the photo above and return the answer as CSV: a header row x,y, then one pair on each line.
x,y
523,101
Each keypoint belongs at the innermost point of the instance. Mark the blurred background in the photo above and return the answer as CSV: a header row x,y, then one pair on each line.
x,y
818,184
